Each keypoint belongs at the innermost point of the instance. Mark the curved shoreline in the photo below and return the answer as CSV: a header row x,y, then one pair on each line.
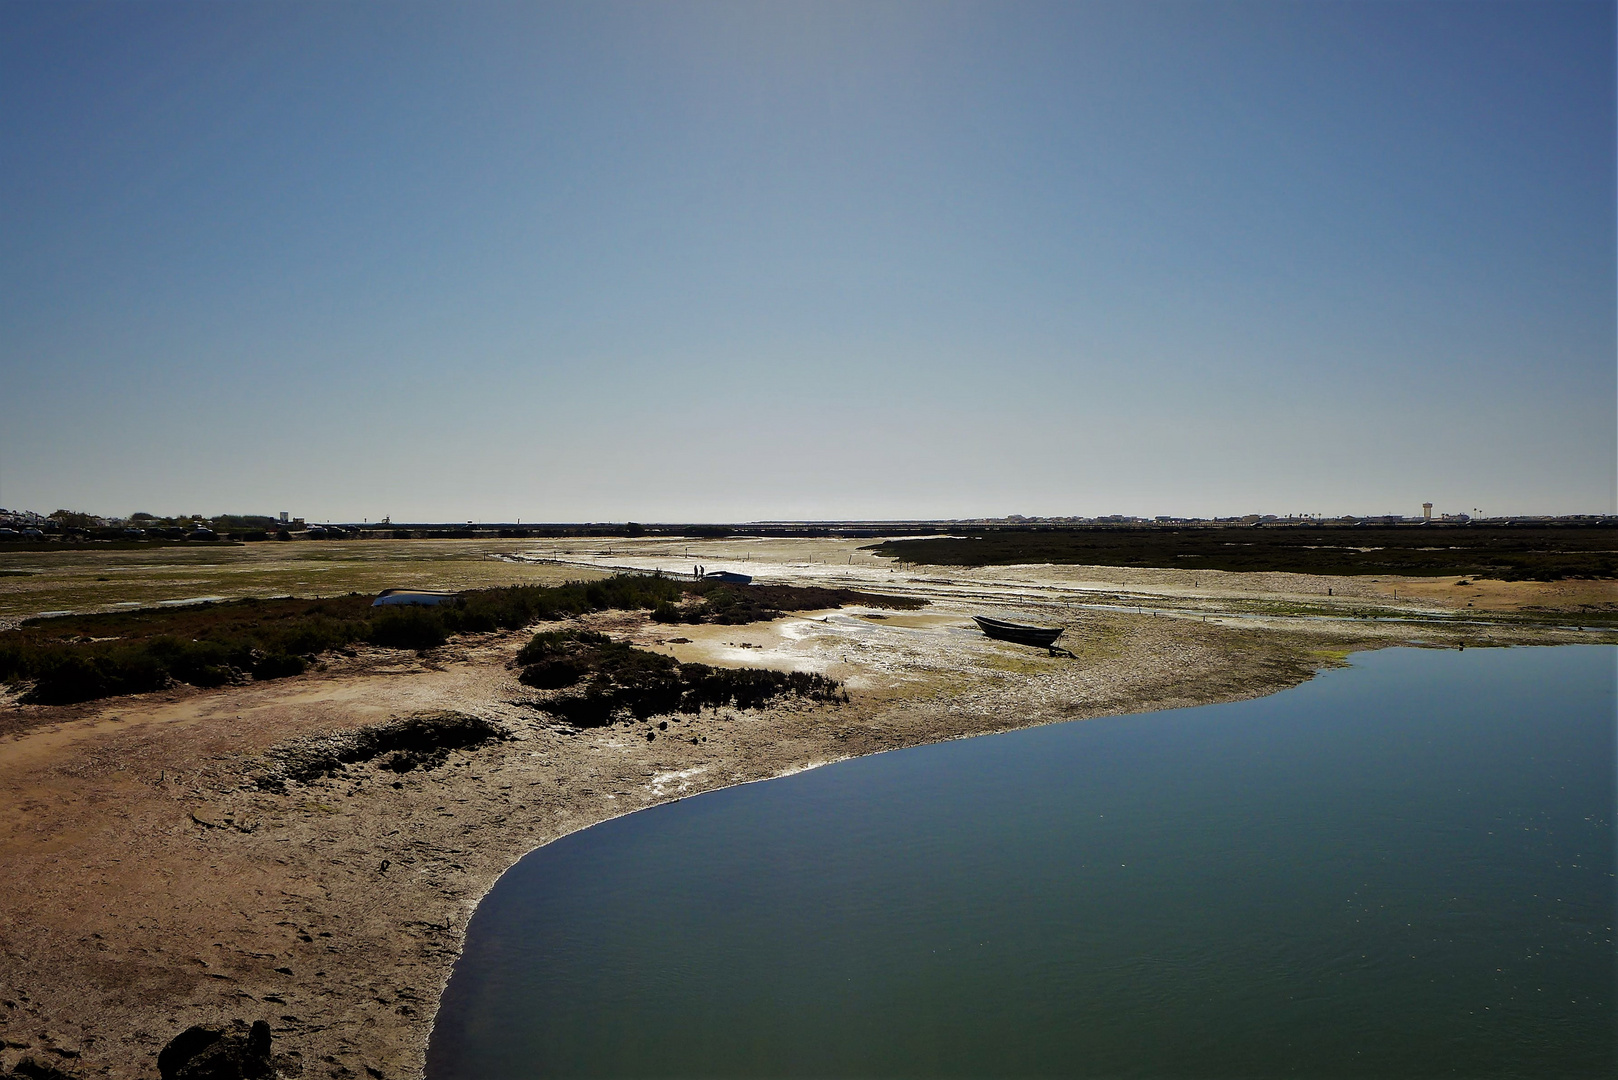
x,y
151,885
638,945
448,974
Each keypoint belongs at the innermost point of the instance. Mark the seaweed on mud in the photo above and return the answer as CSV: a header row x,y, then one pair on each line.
x,y
612,680
422,741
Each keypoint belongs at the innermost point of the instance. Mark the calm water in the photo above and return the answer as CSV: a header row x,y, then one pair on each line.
x,y
1400,869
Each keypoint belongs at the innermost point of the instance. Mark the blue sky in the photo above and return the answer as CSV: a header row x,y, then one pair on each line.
x,y
745,261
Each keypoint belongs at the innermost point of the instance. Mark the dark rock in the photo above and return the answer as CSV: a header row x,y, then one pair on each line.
x,y
185,1046
30,1069
258,1041
205,1053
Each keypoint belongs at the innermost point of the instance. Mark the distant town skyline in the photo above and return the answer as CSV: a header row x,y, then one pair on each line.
x,y
286,519
729,262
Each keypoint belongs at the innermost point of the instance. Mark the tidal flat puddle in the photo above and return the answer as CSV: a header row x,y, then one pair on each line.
x,y
1402,868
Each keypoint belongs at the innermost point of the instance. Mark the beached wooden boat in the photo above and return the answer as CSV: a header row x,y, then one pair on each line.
x,y
1021,633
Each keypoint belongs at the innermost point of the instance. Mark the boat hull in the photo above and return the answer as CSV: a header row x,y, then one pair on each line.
x,y
1022,634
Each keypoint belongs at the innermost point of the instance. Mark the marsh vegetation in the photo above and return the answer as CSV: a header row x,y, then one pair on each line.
x,y
72,658
1536,552
607,680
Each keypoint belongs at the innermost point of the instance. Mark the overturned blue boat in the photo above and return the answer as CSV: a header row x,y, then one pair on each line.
x,y
727,577
425,597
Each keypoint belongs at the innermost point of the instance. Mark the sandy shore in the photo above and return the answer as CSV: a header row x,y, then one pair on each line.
x,y
148,883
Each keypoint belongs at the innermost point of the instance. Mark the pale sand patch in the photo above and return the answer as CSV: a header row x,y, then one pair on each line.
x,y
868,648
1485,594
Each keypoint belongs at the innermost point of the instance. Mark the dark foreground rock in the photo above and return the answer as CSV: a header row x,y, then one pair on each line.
x,y
206,1053
30,1069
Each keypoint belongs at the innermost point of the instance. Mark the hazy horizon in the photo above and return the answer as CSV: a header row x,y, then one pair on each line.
x,y
734,263
1439,514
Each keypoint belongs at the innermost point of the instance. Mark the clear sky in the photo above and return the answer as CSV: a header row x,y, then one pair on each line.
x,y
693,261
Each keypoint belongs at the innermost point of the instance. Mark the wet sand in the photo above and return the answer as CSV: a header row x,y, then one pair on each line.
x,y
149,884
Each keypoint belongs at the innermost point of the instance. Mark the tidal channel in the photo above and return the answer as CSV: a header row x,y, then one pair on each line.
x,y
1401,868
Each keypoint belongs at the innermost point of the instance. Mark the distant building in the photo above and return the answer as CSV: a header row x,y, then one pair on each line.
x,y
1426,511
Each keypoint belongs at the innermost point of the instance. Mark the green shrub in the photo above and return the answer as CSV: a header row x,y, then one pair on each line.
x,y
82,657
558,643
552,674
200,663
623,682
65,678
278,666
315,633
408,627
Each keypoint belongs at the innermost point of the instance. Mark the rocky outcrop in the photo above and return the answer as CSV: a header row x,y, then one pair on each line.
x,y
207,1053
30,1069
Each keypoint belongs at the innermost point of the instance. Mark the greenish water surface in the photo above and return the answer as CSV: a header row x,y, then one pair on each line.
x,y
1405,868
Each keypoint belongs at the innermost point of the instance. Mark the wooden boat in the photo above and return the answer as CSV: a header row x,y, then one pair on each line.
x,y
728,577
1021,633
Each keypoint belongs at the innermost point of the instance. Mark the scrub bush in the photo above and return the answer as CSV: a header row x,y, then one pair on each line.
x,y
278,666
408,627
82,657
623,682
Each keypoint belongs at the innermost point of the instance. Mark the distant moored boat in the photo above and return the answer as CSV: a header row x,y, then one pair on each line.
x,y
427,597
1021,633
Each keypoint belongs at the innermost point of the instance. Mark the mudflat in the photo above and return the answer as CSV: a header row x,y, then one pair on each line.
x,y
160,867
